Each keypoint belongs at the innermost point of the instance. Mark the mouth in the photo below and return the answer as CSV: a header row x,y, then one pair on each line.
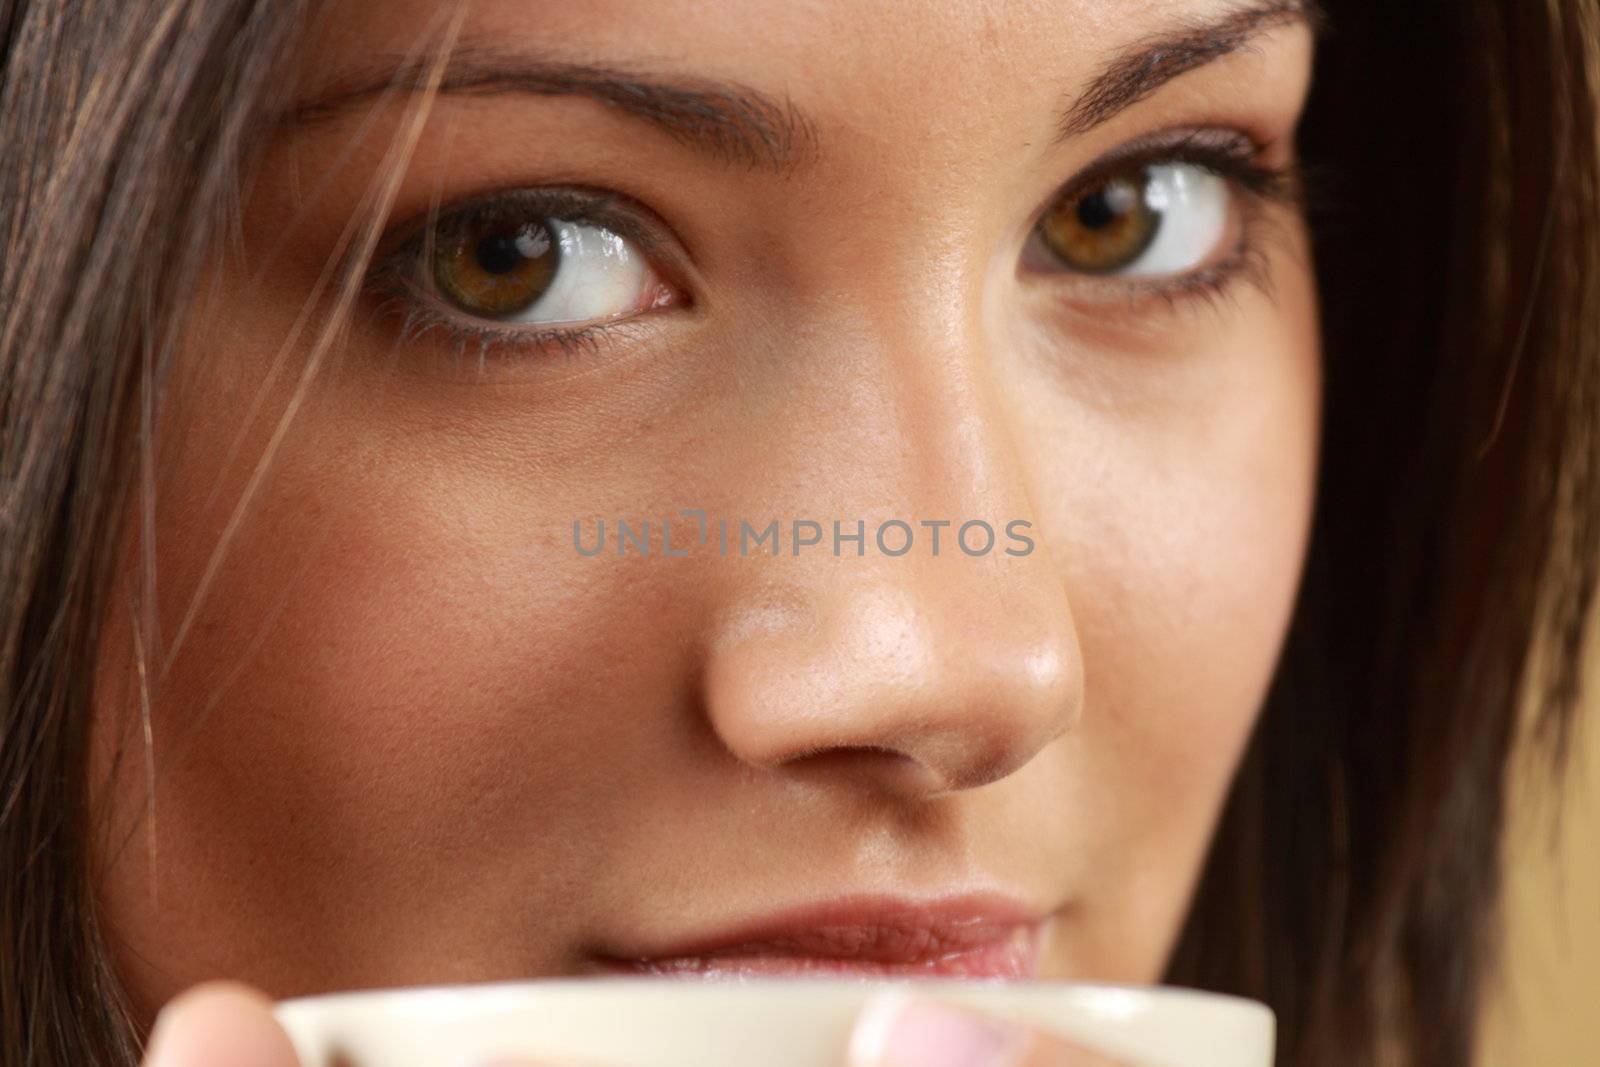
x,y
970,936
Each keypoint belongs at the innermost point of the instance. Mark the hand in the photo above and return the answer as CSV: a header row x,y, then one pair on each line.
x,y
895,1030
219,1024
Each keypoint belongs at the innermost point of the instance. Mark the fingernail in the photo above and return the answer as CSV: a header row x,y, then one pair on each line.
x,y
897,1030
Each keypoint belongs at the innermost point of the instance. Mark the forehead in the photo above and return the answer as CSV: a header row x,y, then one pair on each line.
x,y
858,62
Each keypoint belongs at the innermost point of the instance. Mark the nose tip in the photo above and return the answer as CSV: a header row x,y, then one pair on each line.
x,y
897,691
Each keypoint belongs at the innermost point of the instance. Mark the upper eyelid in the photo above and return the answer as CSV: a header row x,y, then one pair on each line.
x,y
1163,146
570,202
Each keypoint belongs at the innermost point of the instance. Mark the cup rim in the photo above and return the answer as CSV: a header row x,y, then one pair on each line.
x,y
1138,1024
490,995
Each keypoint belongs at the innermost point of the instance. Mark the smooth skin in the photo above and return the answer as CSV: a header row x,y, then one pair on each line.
x,y
401,732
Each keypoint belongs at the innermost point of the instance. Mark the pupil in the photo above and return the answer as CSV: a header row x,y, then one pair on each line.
x,y
498,253
1106,205
1095,212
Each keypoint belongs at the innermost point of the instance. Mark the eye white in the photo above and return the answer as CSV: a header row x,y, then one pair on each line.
x,y
599,276
1193,206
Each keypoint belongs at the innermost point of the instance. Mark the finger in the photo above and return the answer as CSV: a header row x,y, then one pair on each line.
x,y
219,1024
897,1030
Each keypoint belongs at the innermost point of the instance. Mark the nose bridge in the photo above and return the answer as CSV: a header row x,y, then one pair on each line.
x,y
899,380
923,630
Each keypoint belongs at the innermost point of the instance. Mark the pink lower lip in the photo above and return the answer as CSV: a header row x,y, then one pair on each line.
x,y
843,939
1006,959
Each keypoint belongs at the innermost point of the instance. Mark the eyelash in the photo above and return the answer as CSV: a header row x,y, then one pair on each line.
x,y
1229,154
394,283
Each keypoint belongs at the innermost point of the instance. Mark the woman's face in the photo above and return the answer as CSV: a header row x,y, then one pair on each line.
x,y
946,263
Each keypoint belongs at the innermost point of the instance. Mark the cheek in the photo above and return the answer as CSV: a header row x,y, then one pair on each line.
x,y
1181,529
1183,608
387,684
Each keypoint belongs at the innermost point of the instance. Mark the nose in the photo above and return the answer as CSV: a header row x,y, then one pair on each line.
x,y
908,661
910,690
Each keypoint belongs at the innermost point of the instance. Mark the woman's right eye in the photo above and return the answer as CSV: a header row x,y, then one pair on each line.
x,y
512,268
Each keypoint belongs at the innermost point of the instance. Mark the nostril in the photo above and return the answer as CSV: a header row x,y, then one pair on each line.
x,y
973,757
974,772
892,769
933,760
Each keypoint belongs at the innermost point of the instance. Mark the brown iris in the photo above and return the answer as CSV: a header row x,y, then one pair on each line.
x,y
1104,229
496,269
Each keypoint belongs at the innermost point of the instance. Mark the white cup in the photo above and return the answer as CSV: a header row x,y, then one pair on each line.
x,y
800,1022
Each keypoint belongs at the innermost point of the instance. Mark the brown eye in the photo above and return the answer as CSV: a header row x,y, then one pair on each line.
x,y
496,269
1105,229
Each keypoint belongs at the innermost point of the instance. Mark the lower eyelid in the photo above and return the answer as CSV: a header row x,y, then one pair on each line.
x,y
1248,263
461,352
1135,300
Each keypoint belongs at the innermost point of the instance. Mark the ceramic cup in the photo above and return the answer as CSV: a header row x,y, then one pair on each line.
x,y
804,1022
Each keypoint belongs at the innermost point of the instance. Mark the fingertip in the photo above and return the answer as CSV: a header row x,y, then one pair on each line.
x,y
219,1022
896,1029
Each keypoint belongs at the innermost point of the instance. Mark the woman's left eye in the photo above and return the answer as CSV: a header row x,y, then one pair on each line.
x,y
516,266
1143,221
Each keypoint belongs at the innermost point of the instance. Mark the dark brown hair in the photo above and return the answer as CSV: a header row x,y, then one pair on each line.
x,y
1448,589
1450,583
122,125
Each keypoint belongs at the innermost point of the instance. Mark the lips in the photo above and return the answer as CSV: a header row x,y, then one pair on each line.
x,y
970,936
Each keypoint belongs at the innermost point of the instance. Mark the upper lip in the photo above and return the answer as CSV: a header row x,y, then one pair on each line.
x,y
867,928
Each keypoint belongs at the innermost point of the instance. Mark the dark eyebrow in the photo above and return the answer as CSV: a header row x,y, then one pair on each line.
x,y
1152,63
741,125
730,122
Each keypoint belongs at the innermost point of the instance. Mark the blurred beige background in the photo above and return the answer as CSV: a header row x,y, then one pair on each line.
x,y
1546,1011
